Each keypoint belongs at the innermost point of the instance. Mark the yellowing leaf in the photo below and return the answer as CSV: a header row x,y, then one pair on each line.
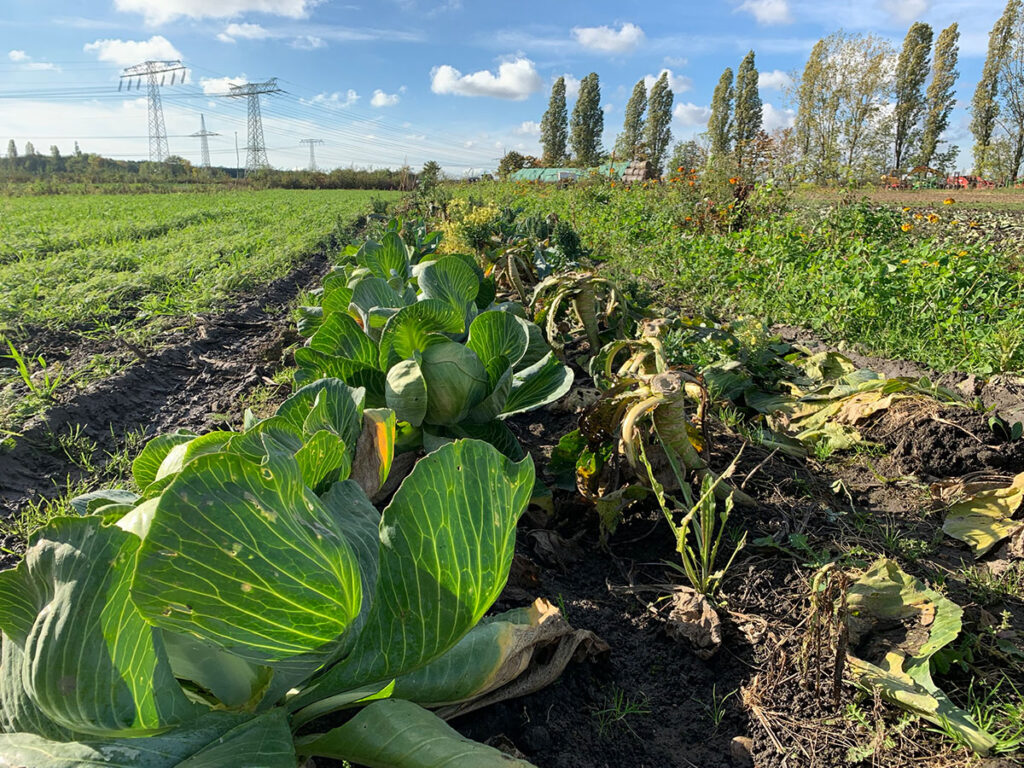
x,y
986,518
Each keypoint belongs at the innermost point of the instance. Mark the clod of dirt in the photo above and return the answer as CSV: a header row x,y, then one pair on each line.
x,y
741,749
693,620
553,549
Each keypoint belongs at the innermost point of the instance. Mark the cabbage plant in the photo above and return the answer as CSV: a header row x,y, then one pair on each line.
x,y
427,341
250,590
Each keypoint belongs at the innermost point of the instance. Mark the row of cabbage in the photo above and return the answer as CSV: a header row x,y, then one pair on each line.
x,y
248,603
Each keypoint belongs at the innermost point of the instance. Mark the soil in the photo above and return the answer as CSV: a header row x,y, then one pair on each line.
x,y
193,379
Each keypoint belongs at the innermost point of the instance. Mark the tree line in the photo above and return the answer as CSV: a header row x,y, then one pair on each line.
x,y
54,172
861,108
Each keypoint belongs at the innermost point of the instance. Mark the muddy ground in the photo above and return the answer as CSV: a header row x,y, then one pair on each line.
x,y
651,701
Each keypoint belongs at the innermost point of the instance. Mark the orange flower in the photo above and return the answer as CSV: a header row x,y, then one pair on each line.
x,y
733,180
933,218
907,227
680,169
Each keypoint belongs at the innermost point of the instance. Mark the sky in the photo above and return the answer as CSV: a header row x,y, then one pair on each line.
x,y
405,81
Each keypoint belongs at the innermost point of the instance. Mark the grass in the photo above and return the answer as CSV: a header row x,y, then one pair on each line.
x,y
942,292
619,708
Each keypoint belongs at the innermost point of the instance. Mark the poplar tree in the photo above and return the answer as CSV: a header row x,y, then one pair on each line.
x,y
1012,92
911,105
629,144
749,110
985,104
941,97
587,123
554,128
720,122
30,149
659,119
12,150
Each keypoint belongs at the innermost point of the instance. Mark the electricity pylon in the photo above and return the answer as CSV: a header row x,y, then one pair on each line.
x,y
204,144
255,149
312,155
158,151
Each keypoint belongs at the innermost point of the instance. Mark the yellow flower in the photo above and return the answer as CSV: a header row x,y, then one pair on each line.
x,y
905,210
907,227
933,218
904,261
962,253
973,224
954,222
948,201
918,216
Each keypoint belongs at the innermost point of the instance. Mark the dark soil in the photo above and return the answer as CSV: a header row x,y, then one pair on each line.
x,y
194,378
771,690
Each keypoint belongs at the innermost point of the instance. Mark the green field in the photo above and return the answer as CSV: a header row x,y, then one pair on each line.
x,y
77,272
106,264
946,292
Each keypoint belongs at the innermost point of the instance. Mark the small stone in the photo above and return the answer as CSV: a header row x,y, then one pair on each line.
x,y
741,748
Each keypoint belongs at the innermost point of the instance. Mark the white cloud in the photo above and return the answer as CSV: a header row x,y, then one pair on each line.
x,y
515,80
678,83
776,79
18,56
245,31
218,86
675,61
608,40
906,11
161,11
124,53
308,43
528,128
336,99
772,117
691,115
768,11
42,66
572,86
24,61
381,99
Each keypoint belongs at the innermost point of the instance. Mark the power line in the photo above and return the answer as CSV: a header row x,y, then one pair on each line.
x,y
255,151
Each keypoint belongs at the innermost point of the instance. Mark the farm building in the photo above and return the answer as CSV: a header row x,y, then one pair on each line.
x,y
569,174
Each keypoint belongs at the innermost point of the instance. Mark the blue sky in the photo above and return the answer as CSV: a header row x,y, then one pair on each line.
x,y
395,81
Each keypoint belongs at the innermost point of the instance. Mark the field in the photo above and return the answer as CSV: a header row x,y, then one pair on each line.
x,y
776,441
91,283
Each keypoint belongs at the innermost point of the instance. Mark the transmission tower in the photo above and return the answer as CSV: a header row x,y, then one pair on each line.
x,y
204,145
158,151
312,154
255,149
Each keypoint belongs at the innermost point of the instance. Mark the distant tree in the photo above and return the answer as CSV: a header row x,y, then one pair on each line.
x,y
720,122
12,150
512,162
30,149
910,102
1012,92
430,175
688,156
985,104
748,112
842,128
78,152
55,152
630,143
659,120
587,123
941,98
554,126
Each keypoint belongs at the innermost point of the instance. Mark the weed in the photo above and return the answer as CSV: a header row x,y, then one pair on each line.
x,y
716,708
617,710
78,447
43,383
